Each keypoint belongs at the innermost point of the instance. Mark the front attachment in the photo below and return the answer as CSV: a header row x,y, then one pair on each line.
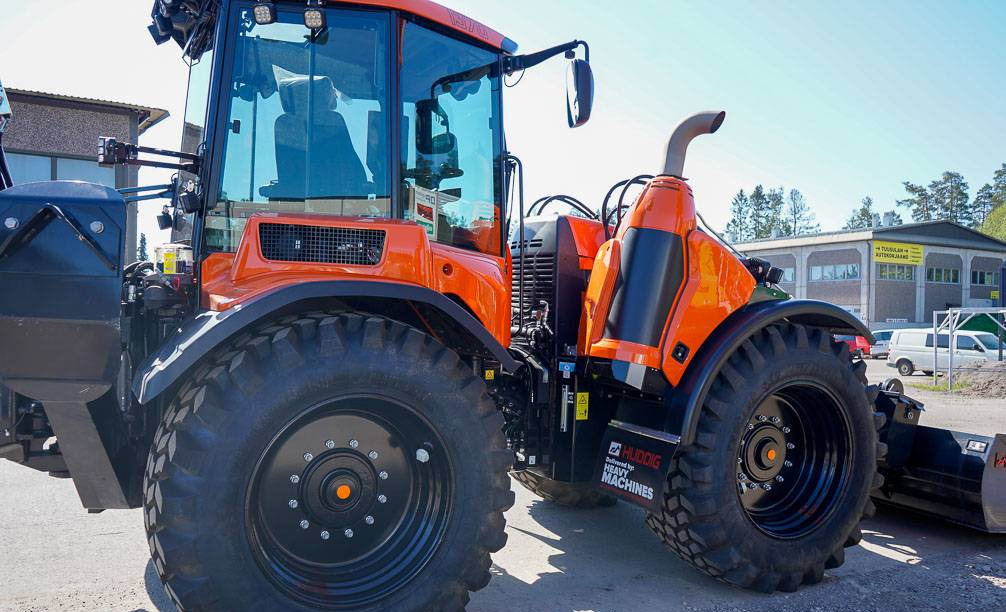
x,y
61,246
960,477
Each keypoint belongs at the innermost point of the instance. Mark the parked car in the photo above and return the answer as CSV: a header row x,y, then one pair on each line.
x,y
881,342
858,345
911,350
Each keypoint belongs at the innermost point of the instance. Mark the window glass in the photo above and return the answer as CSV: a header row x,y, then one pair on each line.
x,y
852,271
815,273
827,273
29,168
193,133
967,343
990,341
788,275
451,141
309,122
84,170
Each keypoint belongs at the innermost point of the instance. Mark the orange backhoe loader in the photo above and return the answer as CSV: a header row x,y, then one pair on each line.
x,y
318,388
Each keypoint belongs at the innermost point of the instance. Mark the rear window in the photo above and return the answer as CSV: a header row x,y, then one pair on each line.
x,y
881,336
942,342
845,338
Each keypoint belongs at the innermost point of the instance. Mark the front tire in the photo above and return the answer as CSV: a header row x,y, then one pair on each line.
x,y
778,478
318,463
905,367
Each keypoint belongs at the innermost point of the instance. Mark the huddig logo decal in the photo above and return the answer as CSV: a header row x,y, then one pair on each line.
x,y
618,473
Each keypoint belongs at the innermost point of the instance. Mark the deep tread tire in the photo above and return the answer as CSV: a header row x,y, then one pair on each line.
x,y
202,455
702,518
563,493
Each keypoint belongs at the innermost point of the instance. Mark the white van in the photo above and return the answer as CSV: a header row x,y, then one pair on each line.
x,y
911,350
882,340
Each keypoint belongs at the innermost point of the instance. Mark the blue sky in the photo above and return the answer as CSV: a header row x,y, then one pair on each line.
x,y
840,100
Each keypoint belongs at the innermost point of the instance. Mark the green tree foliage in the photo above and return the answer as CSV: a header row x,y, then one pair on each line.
x,y
799,218
862,216
739,227
947,197
141,250
919,202
995,223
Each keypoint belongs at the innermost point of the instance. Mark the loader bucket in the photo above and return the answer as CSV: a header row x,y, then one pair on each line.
x,y
960,477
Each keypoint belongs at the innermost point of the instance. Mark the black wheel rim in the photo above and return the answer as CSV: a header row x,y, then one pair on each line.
x,y
349,502
794,460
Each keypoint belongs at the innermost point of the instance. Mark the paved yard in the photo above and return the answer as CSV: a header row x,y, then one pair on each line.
x,y
55,557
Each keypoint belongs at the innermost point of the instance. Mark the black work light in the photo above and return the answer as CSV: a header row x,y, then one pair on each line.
x,y
314,16
264,12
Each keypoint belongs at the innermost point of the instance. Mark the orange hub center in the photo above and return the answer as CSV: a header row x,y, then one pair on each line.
x,y
343,492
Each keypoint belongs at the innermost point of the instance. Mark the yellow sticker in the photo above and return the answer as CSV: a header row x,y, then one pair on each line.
x,y
490,374
582,403
170,265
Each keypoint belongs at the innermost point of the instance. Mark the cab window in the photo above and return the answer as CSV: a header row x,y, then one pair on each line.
x,y
309,123
451,141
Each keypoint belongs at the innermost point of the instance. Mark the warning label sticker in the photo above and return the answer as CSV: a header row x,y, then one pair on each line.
x,y
582,405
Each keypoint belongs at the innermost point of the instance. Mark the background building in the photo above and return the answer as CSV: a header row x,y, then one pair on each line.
x,y
890,276
55,137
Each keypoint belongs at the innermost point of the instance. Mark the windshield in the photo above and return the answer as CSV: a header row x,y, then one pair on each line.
x,y
309,122
989,341
193,133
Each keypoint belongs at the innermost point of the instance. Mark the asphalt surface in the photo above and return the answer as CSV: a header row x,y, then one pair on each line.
x,y
54,556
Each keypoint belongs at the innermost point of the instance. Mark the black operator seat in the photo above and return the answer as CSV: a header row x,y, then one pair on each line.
x,y
336,169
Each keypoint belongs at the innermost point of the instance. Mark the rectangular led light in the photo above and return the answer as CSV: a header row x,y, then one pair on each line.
x,y
976,446
314,18
264,12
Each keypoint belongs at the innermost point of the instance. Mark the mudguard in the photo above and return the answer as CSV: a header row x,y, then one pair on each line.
x,y
687,399
206,331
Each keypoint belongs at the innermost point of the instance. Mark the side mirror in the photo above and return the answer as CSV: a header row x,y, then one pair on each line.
x,y
579,92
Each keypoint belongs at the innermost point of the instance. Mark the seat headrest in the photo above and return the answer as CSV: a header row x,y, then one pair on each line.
x,y
295,91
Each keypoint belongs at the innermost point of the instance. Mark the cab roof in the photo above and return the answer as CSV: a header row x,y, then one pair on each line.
x,y
190,22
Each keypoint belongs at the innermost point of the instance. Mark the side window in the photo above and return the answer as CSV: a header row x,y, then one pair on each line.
x,y
966,343
451,141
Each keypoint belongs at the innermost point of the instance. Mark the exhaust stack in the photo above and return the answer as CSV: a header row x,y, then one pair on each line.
x,y
677,146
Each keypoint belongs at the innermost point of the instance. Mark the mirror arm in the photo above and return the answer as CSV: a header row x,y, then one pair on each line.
x,y
516,63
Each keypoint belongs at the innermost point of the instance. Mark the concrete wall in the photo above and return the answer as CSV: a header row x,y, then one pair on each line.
x,y
987,264
940,296
47,129
842,292
892,299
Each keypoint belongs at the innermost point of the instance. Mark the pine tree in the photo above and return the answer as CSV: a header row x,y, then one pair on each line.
x,y
141,251
739,227
984,204
920,202
759,213
950,195
799,217
777,225
995,223
862,217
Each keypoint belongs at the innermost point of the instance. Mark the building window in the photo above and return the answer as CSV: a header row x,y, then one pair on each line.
x,y
84,170
943,275
35,168
836,272
29,168
789,275
899,272
984,279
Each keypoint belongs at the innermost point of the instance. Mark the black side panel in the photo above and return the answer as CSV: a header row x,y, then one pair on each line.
x,y
650,275
206,331
61,246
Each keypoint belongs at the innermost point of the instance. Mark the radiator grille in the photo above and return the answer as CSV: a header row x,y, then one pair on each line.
x,y
539,284
319,244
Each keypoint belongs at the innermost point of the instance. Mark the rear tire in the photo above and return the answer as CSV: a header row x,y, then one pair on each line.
x,y
227,458
905,367
563,493
786,385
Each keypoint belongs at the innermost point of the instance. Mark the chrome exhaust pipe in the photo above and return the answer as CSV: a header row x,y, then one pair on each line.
x,y
677,146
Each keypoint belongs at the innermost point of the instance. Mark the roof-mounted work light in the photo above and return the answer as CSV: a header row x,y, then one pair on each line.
x,y
264,12
314,16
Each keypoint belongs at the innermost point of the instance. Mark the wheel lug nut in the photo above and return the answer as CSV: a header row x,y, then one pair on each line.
x,y
740,460
790,445
762,418
294,478
383,475
369,520
786,430
308,456
348,533
373,455
353,444
329,444
292,503
422,455
381,499
325,535
752,485
767,486
750,426
304,524
779,478
787,463
742,476
775,420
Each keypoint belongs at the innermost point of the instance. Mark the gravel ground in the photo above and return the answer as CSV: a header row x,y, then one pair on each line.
x,y
56,557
